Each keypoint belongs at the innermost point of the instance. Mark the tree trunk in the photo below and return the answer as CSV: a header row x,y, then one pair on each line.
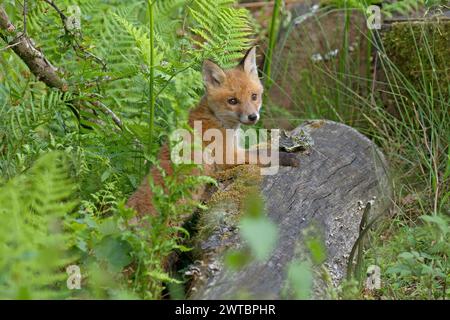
x,y
337,177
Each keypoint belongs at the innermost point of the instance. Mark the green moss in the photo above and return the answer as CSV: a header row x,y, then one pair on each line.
x,y
227,203
244,180
421,51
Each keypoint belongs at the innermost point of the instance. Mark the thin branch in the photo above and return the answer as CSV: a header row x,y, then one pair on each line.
x,y
25,13
9,46
108,112
61,14
77,47
25,48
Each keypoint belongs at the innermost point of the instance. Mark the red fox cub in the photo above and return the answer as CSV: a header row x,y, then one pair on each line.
x,y
233,97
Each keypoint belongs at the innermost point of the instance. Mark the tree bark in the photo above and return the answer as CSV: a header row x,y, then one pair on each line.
x,y
24,47
341,173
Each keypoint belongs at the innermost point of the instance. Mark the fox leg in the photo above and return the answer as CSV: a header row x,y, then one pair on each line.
x,y
253,156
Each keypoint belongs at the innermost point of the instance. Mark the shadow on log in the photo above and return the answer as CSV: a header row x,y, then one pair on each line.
x,y
340,173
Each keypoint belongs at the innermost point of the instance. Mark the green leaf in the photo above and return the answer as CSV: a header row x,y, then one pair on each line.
x,y
317,249
300,279
105,175
254,206
440,222
406,256
162,276
108,227
182,248
235,259
260,234
115,251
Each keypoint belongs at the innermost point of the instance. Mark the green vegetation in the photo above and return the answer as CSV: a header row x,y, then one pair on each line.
x,y
132,72
420,68
35,245
70,158
402,105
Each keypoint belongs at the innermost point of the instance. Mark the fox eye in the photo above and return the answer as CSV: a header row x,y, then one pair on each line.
x,y
233,101
254,97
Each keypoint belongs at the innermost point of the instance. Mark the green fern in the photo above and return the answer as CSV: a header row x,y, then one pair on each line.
x,y
23,135
108,165
33,243
142,42
223,32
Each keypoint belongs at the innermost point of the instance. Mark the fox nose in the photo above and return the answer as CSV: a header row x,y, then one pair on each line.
x,y
253,117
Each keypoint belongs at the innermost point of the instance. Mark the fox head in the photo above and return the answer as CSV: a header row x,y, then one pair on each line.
x,y
234,95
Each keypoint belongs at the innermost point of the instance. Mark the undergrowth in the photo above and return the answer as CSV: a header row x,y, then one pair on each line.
x,y
66,172
59,211
403,106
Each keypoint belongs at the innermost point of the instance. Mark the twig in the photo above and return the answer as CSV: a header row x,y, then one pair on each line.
x,y
25,13
77,47
109,112
10,46
24,47
61,14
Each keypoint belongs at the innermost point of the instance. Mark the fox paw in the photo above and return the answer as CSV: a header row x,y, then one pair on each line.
x,y
288,159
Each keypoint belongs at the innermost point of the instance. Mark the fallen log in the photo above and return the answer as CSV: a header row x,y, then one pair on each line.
x,y
340,173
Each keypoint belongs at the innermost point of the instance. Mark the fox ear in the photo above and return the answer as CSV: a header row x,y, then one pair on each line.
x,y
213,75
248,63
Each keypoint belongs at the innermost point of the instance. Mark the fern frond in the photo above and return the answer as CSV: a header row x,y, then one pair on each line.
x,y
222,32
33,243
142,40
